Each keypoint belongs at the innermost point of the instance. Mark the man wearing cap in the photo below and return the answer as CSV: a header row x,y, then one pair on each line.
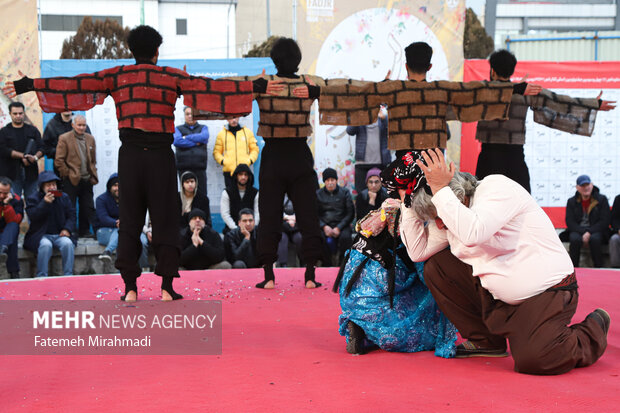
x,y
587,221
52,222
336,213
203,248
372,197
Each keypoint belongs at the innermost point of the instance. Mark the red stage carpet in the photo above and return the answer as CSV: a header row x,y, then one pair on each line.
x,y
282,353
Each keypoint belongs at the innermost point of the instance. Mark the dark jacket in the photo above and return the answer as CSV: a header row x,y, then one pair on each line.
x,y
615,216
11,140
107,206
209,253
335,208
361,139
201,202
598,214
362,207
54,128
39,213
239,249
191,146
11,212
236,202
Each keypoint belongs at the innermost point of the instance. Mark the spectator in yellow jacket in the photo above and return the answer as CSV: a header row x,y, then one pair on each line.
x,y
234,145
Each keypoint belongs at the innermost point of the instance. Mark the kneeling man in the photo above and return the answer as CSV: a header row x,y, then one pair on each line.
x,y
506,274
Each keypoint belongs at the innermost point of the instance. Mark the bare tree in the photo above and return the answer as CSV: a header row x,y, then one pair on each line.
x,y
97,40
477,44
263,49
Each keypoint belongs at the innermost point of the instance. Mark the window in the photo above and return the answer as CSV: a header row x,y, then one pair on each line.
x,y
69,23
181,26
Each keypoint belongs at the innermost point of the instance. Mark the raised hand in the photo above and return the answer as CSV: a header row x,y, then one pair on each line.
x,y
9,87
606,104
437,173
532,89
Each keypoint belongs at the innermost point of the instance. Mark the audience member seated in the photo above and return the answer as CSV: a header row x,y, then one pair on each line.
x,y
11,214
202,247
335,215
238,196
587,221
108,221
614,241
290,233
372,197
240,243
190,198
52,222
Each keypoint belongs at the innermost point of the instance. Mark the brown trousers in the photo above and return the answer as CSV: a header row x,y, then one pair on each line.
x,y
541,342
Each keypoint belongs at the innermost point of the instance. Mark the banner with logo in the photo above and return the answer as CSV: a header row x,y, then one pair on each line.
x,y
364,40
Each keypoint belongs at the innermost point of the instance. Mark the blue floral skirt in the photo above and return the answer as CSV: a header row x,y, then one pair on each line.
x,y
415,323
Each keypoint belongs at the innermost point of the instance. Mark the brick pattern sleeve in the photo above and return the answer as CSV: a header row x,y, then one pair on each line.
x,y
572,115
417,110
283,115
145,95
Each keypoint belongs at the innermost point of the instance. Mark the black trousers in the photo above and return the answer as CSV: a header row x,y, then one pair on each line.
x,y
287,167
201,175
596,248
147,179
507,160
83,193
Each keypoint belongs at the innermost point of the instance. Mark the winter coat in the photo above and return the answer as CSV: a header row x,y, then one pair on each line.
x,y
190,142
598,213
231,150
335,208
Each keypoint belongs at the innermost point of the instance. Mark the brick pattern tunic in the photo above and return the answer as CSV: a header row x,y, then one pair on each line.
x,y
417,110
572,115
145,94
282,115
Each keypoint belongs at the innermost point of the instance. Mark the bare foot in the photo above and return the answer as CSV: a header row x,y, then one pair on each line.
x,y
165,296
269,285
131,297
310,284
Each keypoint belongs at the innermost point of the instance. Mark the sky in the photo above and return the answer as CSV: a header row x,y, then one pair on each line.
x,y
476,5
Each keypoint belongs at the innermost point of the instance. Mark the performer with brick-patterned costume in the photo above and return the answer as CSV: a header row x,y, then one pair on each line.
x,y
418,109
503,140
145,95
287,165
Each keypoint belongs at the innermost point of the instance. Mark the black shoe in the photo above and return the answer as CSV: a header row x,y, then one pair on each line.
x,y
468,349
105,257
602,318
355,344
14,275
89,235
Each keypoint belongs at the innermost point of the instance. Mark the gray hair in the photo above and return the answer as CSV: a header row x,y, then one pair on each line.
x,y
79,117
463,185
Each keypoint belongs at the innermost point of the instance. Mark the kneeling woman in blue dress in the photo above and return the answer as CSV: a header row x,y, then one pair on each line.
x,y
384,300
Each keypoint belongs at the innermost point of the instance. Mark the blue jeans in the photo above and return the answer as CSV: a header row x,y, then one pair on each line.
x,y
46,246
144,255
109,238
8,237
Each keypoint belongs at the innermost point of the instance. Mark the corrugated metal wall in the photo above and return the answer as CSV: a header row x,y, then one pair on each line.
x,y
566,46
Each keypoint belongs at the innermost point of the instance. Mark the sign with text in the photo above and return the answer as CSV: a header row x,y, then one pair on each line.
x,y
107,327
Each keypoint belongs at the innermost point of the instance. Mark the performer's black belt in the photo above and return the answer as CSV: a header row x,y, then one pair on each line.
x,y
568,283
